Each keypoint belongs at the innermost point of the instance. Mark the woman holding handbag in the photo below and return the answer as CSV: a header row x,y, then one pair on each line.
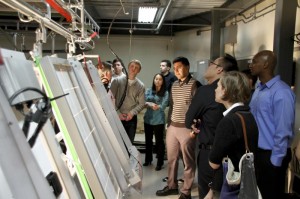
x,y
233,92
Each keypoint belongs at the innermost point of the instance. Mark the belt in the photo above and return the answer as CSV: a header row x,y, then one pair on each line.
x,y
205,146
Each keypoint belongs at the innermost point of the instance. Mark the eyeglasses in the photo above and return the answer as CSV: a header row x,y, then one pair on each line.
x,y
213,63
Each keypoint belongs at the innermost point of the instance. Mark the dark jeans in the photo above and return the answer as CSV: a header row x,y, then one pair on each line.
x,y
130,127
271,179
159,142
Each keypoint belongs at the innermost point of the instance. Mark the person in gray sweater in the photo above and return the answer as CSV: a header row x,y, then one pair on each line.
x,y
129,106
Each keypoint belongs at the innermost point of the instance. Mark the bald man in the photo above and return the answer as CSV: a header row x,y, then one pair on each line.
x,y
273,106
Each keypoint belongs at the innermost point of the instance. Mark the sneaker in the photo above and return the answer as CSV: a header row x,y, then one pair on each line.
x,y
166,191
183,196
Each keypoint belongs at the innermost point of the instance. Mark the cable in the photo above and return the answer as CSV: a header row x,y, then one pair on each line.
x,y
130,31
108,32
10,100
111,50
126,13
40,115
233,53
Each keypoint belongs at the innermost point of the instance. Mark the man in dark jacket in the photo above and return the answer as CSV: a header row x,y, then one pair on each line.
x,y
204,108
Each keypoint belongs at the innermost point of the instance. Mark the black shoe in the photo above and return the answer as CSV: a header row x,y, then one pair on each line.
x,y
166,191
147,164
158,168
183,196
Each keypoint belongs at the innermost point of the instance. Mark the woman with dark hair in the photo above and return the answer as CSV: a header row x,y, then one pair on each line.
x,y
156,99
233,92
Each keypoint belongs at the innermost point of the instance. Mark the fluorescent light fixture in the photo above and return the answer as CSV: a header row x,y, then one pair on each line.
x,y
147,14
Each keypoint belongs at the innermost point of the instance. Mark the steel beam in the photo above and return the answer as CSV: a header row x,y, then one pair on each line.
x,y
284,30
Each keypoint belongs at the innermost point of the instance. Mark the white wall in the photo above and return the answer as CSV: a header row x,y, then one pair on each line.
x,y
194,47
254,35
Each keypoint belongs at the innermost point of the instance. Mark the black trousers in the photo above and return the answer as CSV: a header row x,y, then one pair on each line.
x,y
158,131
206,174
271,179
130,127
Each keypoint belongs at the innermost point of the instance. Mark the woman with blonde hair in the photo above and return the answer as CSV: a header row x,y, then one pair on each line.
x,y
233,92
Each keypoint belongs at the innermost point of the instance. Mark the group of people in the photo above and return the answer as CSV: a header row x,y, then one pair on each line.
x,y
202,124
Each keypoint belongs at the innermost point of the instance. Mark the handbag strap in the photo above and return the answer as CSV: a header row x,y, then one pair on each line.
x,y
244,131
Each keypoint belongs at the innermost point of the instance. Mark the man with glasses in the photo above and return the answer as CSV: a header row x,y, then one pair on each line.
x,y
203,108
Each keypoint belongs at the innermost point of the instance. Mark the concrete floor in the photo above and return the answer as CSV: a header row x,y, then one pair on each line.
x,y
152,180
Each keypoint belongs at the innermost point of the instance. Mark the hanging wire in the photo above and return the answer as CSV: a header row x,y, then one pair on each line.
x,y
112,51
126,73
131,31
233,52
108,33
126,13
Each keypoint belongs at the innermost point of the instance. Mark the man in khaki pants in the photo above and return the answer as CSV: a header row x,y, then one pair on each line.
x,y
178,137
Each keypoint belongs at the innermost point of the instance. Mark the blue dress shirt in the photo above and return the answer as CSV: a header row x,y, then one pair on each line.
x,y
273,106
155,117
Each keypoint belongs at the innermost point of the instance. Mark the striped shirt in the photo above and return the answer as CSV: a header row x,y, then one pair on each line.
x,y
182,94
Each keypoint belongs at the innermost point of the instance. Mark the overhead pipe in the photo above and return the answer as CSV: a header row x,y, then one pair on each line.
x,y
60,10
139,23
246,7
28,10
82,19
75,15
157,29
48,9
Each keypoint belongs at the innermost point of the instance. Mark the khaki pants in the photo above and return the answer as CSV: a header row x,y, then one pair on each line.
x,y
178,139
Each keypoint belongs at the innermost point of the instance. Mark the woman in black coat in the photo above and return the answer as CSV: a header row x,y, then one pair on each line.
x,y
233,91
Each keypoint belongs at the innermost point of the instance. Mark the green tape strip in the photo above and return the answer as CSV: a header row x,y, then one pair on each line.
x,y
86,188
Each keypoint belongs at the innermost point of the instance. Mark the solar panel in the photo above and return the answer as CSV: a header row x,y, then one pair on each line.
x,y
87,127
118,131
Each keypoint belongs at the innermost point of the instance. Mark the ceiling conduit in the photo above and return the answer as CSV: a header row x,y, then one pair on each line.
x,y
157,29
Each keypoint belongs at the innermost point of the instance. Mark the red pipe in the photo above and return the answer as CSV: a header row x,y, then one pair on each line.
x,y
93,35
60,10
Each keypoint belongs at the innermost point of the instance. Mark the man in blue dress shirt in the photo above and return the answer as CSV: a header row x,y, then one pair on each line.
x,y
273,106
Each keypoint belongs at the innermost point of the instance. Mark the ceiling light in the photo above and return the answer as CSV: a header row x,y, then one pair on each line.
x,y
147,14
